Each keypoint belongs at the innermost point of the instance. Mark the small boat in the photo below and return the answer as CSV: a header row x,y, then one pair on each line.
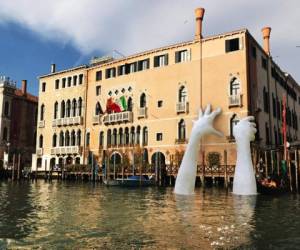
x,y
264,188
111,182
136,181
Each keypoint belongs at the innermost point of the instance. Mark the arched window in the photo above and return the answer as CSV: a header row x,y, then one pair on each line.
x,y
62,109
5,134
121,141
114,137
109,138
67,138
98,109
42,112
41,139
143,102
145,136
234,86
101,138
68,108
73,138
6,109
54,139
138,135
132,135
181,130
79,106
55,110
266,100
126,135
78,137
182,94
129,104
88,138
74,107
233,121
61,139
267,130
43,87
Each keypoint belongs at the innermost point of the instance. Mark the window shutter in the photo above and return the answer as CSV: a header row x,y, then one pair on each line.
x,y
189,54
156,61
177,53
166,59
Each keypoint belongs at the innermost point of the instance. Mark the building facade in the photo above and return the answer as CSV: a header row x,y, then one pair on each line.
x,y
148,101
17,121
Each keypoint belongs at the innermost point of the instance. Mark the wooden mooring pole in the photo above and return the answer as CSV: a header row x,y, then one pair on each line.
x,y
296,170
225,166
13,170
19,166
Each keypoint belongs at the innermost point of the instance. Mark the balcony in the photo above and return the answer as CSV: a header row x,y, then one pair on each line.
x,y
181,141
41,124
96,119
40,151
235,101
118,117
182,107
66,150
142,112
77,120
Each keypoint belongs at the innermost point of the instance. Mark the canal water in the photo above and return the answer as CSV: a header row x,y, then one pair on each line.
x,y
65,215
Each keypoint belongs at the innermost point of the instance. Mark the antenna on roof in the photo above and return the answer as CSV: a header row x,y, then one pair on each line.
x,y
119,53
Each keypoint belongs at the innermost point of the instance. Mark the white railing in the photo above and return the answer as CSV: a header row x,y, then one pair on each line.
x,y
77,120
66,150
142,112
96,119
39,151
42,124
118,117
182,107
235,100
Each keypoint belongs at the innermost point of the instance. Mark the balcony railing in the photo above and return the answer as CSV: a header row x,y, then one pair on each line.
x,y
96,119
235,100
77,120
142,112
42,124
182,107
181,141
118,117
66,150
39,151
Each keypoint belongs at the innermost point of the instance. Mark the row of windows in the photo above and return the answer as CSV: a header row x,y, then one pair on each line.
x,y
68,108
128,68
291,115
66,139
66,82
277,136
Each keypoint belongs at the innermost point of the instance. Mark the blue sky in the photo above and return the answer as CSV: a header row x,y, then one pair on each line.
x,y
34,33
25,55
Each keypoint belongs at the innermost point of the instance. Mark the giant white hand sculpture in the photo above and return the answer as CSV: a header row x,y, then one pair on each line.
x,y
244,182
185,181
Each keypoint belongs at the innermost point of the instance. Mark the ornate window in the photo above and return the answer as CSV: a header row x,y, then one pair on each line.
x,y
41,140
235,87
233,121
55,110
143,101
145,136
78,137
54,139
62,109
42,112
182,94
74,107
181,130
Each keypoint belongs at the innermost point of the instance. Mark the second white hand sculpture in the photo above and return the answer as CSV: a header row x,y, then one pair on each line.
x,y
244,182
185,181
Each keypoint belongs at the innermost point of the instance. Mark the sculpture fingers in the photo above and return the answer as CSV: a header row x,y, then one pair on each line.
x,y
207,110
200,112
248,118
215,113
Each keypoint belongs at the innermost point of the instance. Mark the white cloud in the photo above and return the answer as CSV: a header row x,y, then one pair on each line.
x,y
135,25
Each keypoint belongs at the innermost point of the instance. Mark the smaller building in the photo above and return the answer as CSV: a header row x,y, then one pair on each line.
x,y
18,121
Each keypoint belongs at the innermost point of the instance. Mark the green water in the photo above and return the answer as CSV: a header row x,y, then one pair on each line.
x,y
85,216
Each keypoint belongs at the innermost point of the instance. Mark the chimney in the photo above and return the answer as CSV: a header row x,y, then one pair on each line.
x,y
24,87
53,68
199,13
266,31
